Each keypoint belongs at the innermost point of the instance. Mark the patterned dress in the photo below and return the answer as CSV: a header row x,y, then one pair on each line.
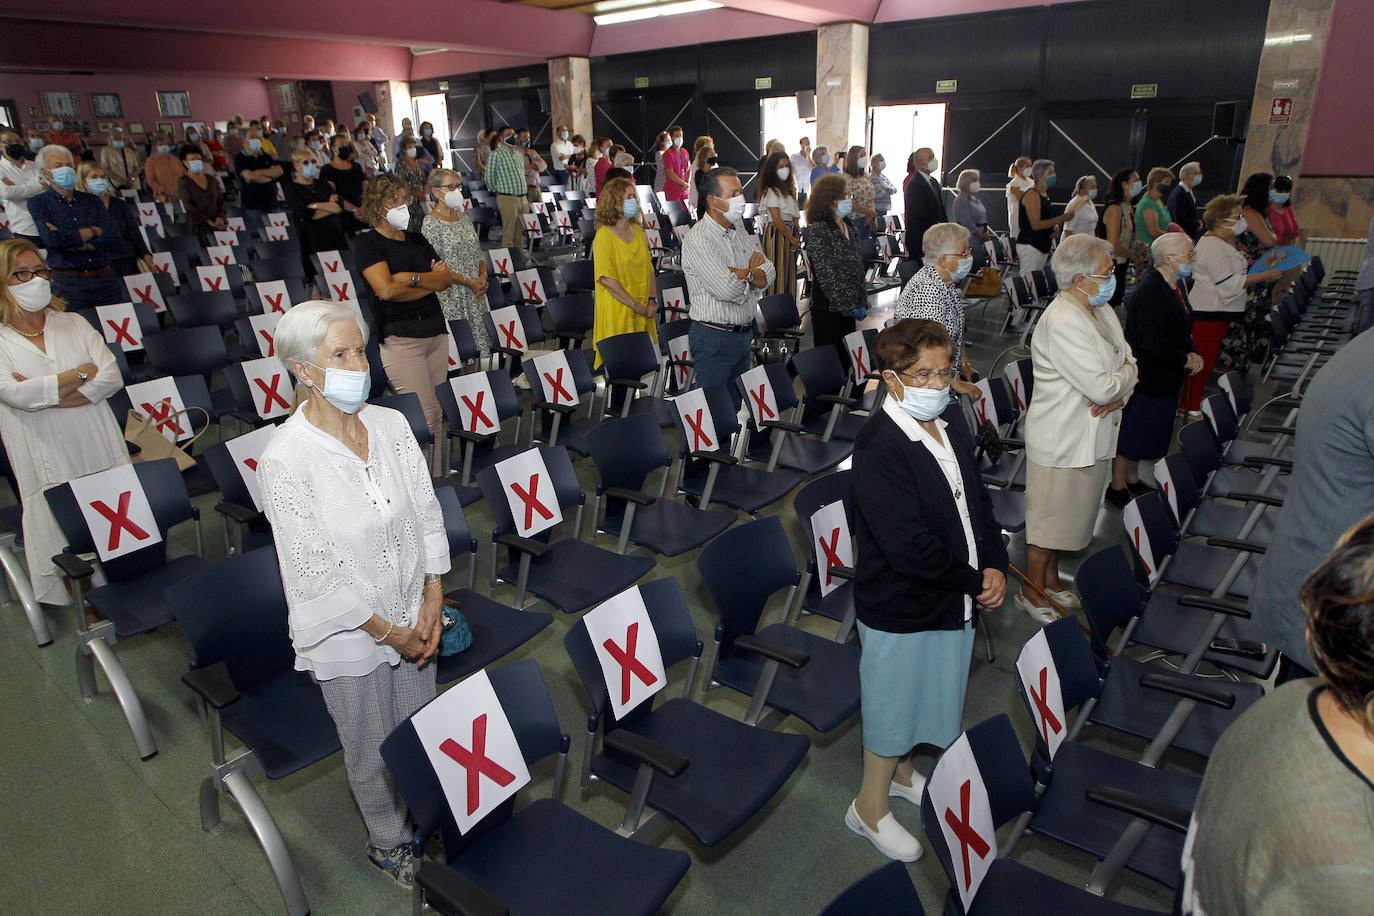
x,y
456,242
1247,339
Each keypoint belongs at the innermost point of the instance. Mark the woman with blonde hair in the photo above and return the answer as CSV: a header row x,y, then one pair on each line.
x,y
55,374
1019,181
128,253
624,270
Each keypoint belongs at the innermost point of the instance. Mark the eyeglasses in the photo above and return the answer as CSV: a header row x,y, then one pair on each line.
x,y
925,376
448,187
24,275
1101,277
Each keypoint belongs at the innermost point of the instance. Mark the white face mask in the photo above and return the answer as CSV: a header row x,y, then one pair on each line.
x,y
346,389
677,141
975,186
33,295
453,199
1092,194
1026,173
932,165
784,173
1240,225
399,217
863,162
1195,180
734,209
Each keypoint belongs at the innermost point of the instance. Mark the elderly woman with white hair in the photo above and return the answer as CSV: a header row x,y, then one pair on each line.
x,y
1035,226
361,545
1084,373
969,211
1159,328
1081,209
932,292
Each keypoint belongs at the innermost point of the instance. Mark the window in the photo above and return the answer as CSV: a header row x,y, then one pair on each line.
x,y
781,122
896,131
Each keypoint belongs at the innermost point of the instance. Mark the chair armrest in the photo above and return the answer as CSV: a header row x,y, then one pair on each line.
x,y
647,751
634,383
530,546
1188,687
716,457
1258,461
72,566
783,425
630,496
1220,605
570,335
1011,444
1255,498
689,363
245,416
239,513
839,398
468,435
1237,544
1141,806
842,572
786,655
508,351
455,893
782,332
565,409
212,685
1286,430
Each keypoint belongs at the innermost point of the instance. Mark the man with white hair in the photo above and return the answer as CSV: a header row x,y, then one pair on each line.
x,y
1182,202
932,293
18,183
76,229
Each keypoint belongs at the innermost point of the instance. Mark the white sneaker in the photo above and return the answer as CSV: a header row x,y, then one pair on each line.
x,y
911,793
1041,615
891,838
1065,597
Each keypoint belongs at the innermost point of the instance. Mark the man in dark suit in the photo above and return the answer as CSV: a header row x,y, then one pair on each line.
x,y
1182,202
925,202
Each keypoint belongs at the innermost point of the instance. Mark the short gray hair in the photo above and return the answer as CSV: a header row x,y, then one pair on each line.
x,y
1040,167
710,182
942,238
440,176
302,328
1170,243
45,152
1077,256
966,178
818,153
1189,167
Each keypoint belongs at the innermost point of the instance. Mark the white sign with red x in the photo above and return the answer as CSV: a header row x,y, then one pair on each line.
x,y
149,217
1040,677
562,222
455,359
1016,381
650,220
223,255
164,263
1211,416
276,233
834,545
673,302
274,296
226,237
501,261
143,288
856,345
680,349
160,400
1224,382
120,324
510,330
961,806
277,219
245,451
329,261
340,285
236,223
1165,481
681,232
627,647
555,377
529,493
654,239
531,286
476,405
540,207
213,279
762,401
1134,524
983,406
469,741
697,426
265,332
116,510
269,385
533,227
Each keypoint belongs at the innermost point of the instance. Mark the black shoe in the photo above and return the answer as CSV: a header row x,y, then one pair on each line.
x,y
1139,488
1119,498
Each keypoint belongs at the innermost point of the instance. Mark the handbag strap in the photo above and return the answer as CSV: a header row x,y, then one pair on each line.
x,y
192,441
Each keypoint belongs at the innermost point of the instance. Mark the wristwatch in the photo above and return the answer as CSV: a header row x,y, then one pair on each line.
x,y
414,279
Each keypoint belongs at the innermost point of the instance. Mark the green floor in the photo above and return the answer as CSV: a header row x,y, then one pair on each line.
x,y
92,829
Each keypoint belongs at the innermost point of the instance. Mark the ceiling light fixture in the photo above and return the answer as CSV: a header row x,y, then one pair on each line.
x,y
653,12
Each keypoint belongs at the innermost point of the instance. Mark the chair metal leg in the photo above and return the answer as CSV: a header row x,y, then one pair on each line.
x,y
209,806
1017,831
22,590
270,838
97,642
1106,871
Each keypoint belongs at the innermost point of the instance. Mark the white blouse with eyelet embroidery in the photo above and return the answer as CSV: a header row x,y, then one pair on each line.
x,y
353,538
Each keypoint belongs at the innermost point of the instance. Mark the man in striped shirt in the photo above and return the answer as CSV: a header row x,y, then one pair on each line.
x,y
725,269
506,179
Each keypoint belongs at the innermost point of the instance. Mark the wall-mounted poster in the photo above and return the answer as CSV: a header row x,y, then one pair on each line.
x,y
174,104
60,104
136,127
198,126
166,127
286,96
106,105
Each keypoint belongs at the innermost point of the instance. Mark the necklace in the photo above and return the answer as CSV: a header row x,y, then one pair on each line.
x,y
38,333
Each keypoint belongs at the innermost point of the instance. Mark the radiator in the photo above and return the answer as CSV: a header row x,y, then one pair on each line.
x,y
1338,254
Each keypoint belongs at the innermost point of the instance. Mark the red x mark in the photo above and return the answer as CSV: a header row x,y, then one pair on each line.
x,y
981,406
628,663
477,763
275,301
1048,721
832,556
503,267
122,331
162,267
119,520
1135,533
508,332
761,403
1016,390
531,501
271,345
560,393
331,266
270,389
252,463
212,282
340,292
531,291
969,838
674,306
475,410
224,260
164,417
145,293
859,365
698,434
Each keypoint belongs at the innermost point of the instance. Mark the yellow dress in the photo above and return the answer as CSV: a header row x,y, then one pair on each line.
x,y
629,264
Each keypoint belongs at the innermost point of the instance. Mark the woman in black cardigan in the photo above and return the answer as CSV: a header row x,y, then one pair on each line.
x,y
1159,328
929,556
839,298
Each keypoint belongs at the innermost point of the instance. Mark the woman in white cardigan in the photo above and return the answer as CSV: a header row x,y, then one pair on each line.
x,y
1084,372
361,544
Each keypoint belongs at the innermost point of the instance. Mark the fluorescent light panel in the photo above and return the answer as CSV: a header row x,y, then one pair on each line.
x,y
653,12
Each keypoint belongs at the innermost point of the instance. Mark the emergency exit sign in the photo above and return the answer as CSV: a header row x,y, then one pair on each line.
x,y
763,82
1144,90
943,86
641,82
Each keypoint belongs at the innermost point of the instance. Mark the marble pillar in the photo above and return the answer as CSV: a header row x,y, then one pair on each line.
x,y
393,104
841,85
570,94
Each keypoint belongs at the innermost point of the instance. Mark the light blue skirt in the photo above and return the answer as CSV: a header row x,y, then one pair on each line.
x,y
912,687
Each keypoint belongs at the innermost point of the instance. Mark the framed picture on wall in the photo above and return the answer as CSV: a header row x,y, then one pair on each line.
x,y
60,104
106,105
166,127
198,126
136,127
174,104
42,126
286,97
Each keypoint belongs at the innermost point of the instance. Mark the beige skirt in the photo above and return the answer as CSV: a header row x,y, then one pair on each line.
x,y
1062,504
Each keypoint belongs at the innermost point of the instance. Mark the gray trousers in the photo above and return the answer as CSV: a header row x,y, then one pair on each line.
x,y
365,710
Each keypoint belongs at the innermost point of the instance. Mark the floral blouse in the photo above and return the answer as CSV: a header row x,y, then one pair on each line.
x,y
456,243
837,266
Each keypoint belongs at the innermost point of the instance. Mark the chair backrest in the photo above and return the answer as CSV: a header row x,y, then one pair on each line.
x,y
187,351
530,323
525,700
504,399
1233,383
277,267
1150,531
1200,447
1068,661
1174,477
1219,412
195,309
544,367
1111,596
779,312
780,384
288,249
820,371
887,890
577,276
906,269
573,313
627,450
742,568
235,612
262,300
409,406
628,356
460,539
566,490
461,331
1019,377
724,422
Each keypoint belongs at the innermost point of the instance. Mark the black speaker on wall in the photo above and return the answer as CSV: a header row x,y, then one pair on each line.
x,y
369,104
806,104
1229,120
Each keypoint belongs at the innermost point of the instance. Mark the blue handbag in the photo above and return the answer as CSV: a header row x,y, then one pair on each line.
x,y
457,634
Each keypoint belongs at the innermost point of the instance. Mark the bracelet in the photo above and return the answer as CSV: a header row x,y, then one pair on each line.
x,y
387,634
433,580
